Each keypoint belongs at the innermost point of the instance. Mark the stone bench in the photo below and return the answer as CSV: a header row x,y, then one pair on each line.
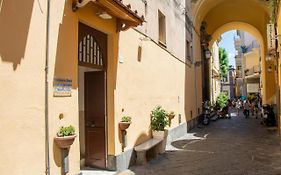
x,y
143,148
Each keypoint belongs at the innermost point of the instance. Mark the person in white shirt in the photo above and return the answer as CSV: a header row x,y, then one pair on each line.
x,y
238,106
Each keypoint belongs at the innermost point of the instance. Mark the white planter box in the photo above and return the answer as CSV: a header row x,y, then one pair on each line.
x,y
161,135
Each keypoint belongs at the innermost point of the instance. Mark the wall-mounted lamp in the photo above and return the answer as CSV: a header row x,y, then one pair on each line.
x,y
269,69
208,54
104,15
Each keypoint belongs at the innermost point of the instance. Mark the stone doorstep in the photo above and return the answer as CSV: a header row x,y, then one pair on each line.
x,y
97,172
104,172
126,172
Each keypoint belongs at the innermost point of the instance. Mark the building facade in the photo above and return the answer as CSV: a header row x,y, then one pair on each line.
x,y
87,63
215,73
248,60
228,83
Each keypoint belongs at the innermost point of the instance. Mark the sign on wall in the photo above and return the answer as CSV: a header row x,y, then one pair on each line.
x,y
62,87
270,37
253,87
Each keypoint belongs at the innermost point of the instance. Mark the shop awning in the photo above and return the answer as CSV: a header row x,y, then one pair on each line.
x,y
126,17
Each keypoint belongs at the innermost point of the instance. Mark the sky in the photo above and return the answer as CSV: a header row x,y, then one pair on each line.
x,y
227,42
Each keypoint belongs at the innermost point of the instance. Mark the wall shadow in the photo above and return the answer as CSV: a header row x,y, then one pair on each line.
x,y
57,154
15,17
66,52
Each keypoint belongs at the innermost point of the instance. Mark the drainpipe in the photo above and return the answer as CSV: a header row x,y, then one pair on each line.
x,y
47,144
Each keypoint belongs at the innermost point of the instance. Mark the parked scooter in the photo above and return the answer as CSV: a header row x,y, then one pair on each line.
x,y
268,116
206,113
223,113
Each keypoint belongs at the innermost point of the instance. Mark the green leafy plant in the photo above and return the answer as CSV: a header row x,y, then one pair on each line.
x,y
223,61
159,119
222,100
126,118
66,131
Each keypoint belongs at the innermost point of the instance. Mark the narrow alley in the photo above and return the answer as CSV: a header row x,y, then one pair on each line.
x,y
100,87
227,146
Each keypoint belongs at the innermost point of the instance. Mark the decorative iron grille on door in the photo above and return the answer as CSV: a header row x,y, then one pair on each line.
x,y
89,52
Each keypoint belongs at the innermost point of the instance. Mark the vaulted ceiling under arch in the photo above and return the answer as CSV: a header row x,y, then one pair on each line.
x,y
217,13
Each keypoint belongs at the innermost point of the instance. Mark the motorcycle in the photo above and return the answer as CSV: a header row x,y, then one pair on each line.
x,y
206,113
268,116
223,113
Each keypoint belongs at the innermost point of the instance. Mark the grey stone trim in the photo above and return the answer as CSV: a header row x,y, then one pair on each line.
x,y
122,161
176,132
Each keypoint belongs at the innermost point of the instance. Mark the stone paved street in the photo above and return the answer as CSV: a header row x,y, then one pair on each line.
x,y
236,146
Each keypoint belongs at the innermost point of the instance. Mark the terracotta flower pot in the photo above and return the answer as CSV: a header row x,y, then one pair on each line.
x,y
171,116
161,135
124,125
65,142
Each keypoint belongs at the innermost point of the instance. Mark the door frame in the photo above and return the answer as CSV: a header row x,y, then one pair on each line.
x,y
104,69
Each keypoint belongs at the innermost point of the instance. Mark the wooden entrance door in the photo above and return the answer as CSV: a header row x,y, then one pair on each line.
x,y
95,119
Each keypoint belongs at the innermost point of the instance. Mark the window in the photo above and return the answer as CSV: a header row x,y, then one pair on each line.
x,y
162,28
187,51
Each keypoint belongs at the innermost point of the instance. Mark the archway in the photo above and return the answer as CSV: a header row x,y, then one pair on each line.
x,y
252,17
256,33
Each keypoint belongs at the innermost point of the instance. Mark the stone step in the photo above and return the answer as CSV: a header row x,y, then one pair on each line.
x,y
97,172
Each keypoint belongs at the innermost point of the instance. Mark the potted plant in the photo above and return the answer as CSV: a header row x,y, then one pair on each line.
x,y
159,120
65,136
171,115
125,122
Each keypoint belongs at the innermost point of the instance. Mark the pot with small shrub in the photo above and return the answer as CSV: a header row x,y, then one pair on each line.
x,y
65,137
171,115
159,120
125,122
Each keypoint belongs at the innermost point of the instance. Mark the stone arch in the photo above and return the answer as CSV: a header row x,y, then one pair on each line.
x,y
252,17
247,28
201,8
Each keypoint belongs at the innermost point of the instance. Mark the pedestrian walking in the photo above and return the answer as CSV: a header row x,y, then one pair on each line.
x,y
229,105
238,106
247,106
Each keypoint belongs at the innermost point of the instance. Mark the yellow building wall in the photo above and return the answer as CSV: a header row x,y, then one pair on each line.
x,y
252,59
22,53
22,64
135,86
148,76
64,64
278,20
251,13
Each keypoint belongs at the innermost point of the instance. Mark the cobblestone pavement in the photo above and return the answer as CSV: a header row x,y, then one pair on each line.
x,y
235,146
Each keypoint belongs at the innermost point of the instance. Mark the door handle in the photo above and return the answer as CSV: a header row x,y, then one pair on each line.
x,y
92,125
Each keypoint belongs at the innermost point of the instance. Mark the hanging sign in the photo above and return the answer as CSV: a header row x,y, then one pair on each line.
x,y
62,87
270,37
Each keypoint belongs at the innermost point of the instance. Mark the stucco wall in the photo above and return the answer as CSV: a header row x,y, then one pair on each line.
x,y
252,59
64,61
156,79
22,60
135,86
279,64
175,22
